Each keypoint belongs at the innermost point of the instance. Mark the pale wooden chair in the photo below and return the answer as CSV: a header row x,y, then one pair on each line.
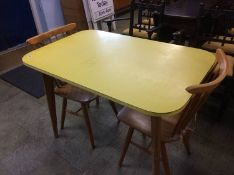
x,y
67,91
173,127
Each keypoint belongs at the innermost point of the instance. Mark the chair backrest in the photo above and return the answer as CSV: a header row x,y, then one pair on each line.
x,y
201,92
213,25
145,9
52,35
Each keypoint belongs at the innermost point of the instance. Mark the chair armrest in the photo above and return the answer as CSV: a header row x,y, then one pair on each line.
x,y
109,22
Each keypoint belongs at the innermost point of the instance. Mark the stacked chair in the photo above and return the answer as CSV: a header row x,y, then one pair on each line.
x,y
215,30
148,21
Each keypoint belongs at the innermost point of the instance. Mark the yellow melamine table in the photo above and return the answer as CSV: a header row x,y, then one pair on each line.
x,y
145,75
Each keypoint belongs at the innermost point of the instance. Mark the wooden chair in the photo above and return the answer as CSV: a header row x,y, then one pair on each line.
x,y
173,127
150,10
67,91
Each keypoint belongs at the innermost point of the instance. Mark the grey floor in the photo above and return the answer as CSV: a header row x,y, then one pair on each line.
x,y
27,145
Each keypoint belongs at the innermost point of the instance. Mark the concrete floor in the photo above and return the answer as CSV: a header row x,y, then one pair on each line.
x,y
27,145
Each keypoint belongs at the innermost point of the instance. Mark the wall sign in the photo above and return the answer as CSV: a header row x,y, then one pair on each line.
x,y
101,9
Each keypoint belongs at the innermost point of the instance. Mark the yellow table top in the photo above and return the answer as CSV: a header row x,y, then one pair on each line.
x,y
146,75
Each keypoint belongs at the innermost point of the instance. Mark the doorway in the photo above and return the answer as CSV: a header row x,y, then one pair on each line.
x,y
16,23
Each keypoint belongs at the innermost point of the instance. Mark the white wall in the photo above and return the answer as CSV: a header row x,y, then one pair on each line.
x,y
47,14
53,13
87,13
38,16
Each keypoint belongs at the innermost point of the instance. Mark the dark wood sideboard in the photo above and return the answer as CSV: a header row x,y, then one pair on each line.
x,y
73,11
121,5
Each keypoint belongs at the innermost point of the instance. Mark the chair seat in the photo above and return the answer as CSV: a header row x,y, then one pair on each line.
x,y
140,34
212,45
74,93
142,122
231,31
146,21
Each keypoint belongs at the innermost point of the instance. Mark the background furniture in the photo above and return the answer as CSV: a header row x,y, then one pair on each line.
x,y
213,32
144,10
213,29
178,17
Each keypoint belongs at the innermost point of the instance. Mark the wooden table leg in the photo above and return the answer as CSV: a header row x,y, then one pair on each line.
x,y
49,89
156,133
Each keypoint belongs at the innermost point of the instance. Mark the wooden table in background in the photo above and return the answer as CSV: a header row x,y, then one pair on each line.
x,y
145,75
182,14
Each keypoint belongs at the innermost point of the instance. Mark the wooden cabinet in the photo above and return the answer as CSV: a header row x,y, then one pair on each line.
x,y
121,4
73,11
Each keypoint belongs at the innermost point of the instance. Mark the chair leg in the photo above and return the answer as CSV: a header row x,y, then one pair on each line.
x,y
126,144
114,109
185,138
97,101
64,107
149,35
226,97
165,159
88,125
